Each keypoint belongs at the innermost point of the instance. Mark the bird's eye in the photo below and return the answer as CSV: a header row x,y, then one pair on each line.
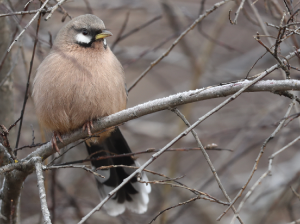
x,y
84,32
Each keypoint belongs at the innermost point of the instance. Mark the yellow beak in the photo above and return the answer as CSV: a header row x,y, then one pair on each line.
x,y
105,33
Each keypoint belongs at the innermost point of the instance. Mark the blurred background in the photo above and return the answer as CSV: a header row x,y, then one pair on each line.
x,y
214,52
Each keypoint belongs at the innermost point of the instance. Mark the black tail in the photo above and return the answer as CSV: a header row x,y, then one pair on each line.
x,y
133,195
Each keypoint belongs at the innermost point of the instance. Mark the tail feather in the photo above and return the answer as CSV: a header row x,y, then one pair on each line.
x,y
133,195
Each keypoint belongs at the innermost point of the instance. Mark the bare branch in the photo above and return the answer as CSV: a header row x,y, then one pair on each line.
x,y
73,166
28,80
121,31
260,21
54,8
174,206
33,18
173,101
238,12
210,147
25,12
40,182
121,37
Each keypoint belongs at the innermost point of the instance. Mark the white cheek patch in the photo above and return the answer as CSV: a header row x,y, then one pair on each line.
x,y
80,38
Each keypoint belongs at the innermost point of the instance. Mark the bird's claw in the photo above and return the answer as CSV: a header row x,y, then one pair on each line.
x,y
54,141
88,126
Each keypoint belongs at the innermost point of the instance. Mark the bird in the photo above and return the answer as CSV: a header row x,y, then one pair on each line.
x,y
81,80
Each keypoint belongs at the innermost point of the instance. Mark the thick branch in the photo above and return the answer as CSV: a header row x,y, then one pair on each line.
x,y
12,185
166,103
11,191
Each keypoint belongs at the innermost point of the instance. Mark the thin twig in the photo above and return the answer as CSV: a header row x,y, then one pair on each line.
x,y
140,27
26,12
14,124
180,204
260,21
217,42
29,146
148,171
150,150
40,182
54,8
149,50
129,33
28,80
73,166
238,12
66,14
158,174
27,4
53,194
33,18
287,7
118,38
255,64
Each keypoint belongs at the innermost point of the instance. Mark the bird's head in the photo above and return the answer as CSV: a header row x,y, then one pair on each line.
x,y
83,31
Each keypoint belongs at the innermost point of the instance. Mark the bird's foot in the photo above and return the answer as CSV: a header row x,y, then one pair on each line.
x,y
88,126
54,141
